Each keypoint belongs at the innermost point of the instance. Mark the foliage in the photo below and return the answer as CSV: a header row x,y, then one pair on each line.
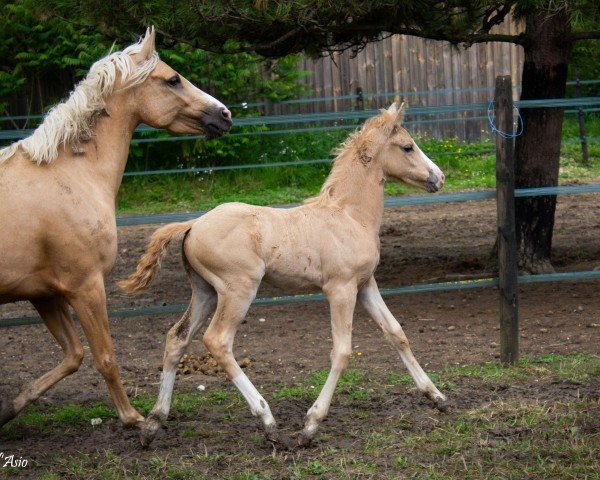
x,y
44,55
279,28
467,166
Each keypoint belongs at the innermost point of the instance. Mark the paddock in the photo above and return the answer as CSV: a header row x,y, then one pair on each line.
x,y
420,244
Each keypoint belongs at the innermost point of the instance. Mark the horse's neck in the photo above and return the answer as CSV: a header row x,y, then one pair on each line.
x,y
109,148
358,189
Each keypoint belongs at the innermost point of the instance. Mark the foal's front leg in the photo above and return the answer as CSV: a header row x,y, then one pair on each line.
x,y
342,299
371,300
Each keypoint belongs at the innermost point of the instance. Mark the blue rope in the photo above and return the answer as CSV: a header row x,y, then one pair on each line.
x,y
491,114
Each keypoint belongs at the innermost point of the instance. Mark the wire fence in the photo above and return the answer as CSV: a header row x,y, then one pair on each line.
x,y
589,104
411,200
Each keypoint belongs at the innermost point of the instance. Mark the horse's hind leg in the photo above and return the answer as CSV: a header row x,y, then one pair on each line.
x,y
202,304
231,310
89,302
57,318
370,298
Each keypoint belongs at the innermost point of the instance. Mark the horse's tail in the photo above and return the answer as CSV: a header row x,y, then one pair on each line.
x,y
150,262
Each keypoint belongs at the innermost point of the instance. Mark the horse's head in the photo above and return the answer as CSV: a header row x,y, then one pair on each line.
x,y
169,101
400,157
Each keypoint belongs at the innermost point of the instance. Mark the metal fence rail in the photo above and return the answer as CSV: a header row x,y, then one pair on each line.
x,y
318,297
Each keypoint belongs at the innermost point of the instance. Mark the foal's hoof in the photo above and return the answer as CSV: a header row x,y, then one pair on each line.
x,y
7,412
278,439
440,402
148,431
304,440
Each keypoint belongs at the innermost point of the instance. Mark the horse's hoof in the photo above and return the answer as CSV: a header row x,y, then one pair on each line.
x,y
7,412
148,431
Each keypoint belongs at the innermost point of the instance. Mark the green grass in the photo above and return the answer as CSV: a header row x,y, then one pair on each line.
x,y
499,436
281,185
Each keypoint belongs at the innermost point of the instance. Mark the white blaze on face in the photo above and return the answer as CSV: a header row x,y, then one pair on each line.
x,y
433,168
210,99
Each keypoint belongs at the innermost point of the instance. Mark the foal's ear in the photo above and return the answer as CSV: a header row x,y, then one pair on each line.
x,y
148,43
396,112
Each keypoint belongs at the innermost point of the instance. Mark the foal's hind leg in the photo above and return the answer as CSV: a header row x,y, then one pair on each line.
x,y
370,298
202,304
57,318
342,299
231,310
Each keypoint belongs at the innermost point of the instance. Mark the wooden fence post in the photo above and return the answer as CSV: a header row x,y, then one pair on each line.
x,y
505,202
585,155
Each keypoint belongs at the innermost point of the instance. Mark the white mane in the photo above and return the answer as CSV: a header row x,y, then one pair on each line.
x,y
72,121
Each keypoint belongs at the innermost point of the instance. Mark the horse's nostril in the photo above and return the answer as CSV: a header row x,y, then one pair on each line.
x,y
226,114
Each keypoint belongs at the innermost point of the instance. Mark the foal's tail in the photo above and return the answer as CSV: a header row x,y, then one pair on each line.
x,y
150,262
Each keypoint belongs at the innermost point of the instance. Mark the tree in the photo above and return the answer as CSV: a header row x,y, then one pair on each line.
x,y
274,28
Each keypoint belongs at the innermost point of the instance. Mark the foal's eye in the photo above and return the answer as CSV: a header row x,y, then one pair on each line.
x,y
173,81
407,148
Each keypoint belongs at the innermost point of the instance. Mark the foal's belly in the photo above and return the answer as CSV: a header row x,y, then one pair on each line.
x,y
297,278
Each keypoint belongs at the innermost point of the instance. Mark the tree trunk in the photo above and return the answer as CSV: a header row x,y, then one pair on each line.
x,y
537,151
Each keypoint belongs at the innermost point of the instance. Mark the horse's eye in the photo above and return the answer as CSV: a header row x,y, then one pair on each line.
x,y
173,81
407,148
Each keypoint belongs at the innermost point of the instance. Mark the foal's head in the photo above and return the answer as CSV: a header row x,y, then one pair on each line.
x,y
168,101
386,141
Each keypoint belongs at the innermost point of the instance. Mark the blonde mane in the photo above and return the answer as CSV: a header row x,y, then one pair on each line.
x,y
358,149
72,121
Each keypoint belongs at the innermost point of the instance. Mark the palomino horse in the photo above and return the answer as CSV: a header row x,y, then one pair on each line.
x,y
331,242
57,202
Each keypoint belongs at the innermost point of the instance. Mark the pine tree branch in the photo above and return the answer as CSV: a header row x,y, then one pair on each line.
x,y
591,35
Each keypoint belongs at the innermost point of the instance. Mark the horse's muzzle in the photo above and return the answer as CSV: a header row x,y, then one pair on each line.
x,y
217,122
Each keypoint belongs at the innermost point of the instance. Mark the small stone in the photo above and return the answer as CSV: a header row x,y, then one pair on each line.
x,y
494,345
580,308
262,320
593,325
245,362
550,312
95,422
201,388
433,328
451,328
544,330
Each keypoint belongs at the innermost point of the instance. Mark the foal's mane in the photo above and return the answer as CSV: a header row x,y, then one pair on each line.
x,y
356,151
72,120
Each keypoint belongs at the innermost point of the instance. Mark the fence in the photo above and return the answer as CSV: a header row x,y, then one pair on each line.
x,y
505,194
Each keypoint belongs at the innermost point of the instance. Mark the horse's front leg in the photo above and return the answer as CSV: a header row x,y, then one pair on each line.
x,y
371,300
89,302
342,299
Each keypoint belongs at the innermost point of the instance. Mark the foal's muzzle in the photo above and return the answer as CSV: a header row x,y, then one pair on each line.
x,y
434,183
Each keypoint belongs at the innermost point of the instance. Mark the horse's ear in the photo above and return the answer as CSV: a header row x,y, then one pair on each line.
x,y
148,43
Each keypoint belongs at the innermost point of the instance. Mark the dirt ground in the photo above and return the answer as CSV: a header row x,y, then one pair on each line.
x,y
285,343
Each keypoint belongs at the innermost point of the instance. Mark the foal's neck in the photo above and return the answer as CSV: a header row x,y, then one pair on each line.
x,y
359,189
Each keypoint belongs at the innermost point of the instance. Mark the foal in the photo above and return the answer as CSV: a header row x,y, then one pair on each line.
x,y
329,243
